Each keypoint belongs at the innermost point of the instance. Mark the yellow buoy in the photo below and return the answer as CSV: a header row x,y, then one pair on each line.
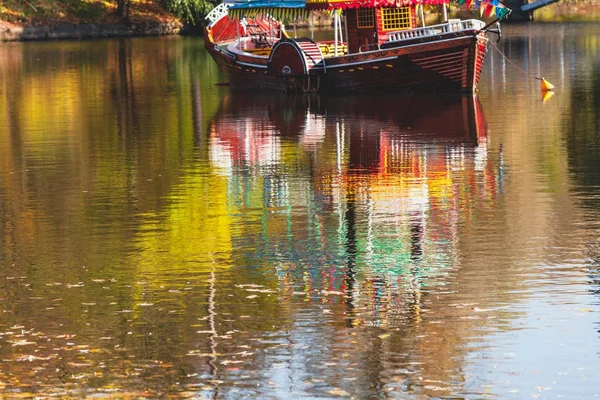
x,y
546,86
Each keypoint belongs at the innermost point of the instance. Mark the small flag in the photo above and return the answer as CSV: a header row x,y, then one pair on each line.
x,y
502,12
487,7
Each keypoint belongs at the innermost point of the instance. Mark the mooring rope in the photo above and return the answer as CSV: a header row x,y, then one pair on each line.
x,y
539,78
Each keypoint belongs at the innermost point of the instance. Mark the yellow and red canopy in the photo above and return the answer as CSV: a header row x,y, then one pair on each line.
x,y
344,4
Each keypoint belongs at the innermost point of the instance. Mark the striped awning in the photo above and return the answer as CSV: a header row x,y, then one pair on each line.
x,y
279,9
290,14
244,4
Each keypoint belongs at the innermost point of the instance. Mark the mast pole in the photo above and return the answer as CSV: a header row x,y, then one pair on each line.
x,y
271,40
295,31
345,32
335,30
340,28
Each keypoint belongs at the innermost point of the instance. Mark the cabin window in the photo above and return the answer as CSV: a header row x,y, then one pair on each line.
x,y
395,19
365,18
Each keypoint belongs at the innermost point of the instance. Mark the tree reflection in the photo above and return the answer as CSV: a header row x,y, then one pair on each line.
x,y
583,147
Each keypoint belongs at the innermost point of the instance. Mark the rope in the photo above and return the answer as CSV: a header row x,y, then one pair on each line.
x,y
539,78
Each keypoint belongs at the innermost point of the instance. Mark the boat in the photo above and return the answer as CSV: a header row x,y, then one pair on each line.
x,y
378,45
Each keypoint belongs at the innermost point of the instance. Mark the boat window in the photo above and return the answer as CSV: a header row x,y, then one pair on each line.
x,y
365,18
396,18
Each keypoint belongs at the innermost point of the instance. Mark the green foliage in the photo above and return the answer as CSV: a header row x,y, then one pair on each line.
x,y
189,10
86,11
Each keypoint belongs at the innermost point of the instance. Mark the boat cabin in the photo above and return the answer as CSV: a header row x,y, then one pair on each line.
x,y
368,26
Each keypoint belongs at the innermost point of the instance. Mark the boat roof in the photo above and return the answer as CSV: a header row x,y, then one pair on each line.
x,y
324,4
249,4
344,4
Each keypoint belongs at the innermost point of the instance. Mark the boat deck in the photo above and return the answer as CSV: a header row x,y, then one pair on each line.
x,y
257,43
263,47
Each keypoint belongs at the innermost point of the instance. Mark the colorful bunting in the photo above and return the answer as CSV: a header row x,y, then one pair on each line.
x,y
502,12
489,10
487,7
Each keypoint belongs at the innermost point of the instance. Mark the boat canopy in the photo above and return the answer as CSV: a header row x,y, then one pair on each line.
x,y
298,8
249,4
344,4
280,9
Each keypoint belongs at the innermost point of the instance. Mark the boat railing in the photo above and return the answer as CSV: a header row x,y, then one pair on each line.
x,y
217,12
453,25
328,49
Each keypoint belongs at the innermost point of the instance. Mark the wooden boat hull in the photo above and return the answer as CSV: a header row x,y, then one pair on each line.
x,y
451,64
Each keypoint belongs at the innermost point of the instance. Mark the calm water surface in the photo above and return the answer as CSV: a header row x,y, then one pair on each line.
x,y
161,236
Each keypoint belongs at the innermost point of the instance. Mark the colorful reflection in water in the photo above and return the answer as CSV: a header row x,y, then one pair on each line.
x,y
357,198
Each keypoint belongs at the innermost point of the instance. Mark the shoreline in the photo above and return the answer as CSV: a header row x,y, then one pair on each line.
x,y
62,31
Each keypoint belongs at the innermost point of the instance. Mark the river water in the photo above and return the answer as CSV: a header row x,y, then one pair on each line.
x,y
161,236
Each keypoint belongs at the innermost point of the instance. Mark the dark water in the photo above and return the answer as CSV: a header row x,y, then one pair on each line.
x,y
161,236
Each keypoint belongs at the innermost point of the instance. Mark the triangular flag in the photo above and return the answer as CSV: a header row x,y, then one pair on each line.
x,y
501,12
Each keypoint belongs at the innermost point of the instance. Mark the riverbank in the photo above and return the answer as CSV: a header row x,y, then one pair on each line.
x,y
44,20
83,31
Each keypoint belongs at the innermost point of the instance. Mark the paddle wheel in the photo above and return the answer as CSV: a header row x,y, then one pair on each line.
x,y
296,62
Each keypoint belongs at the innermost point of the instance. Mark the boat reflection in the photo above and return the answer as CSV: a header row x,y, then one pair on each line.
x,y
349,185
358,205
249,129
